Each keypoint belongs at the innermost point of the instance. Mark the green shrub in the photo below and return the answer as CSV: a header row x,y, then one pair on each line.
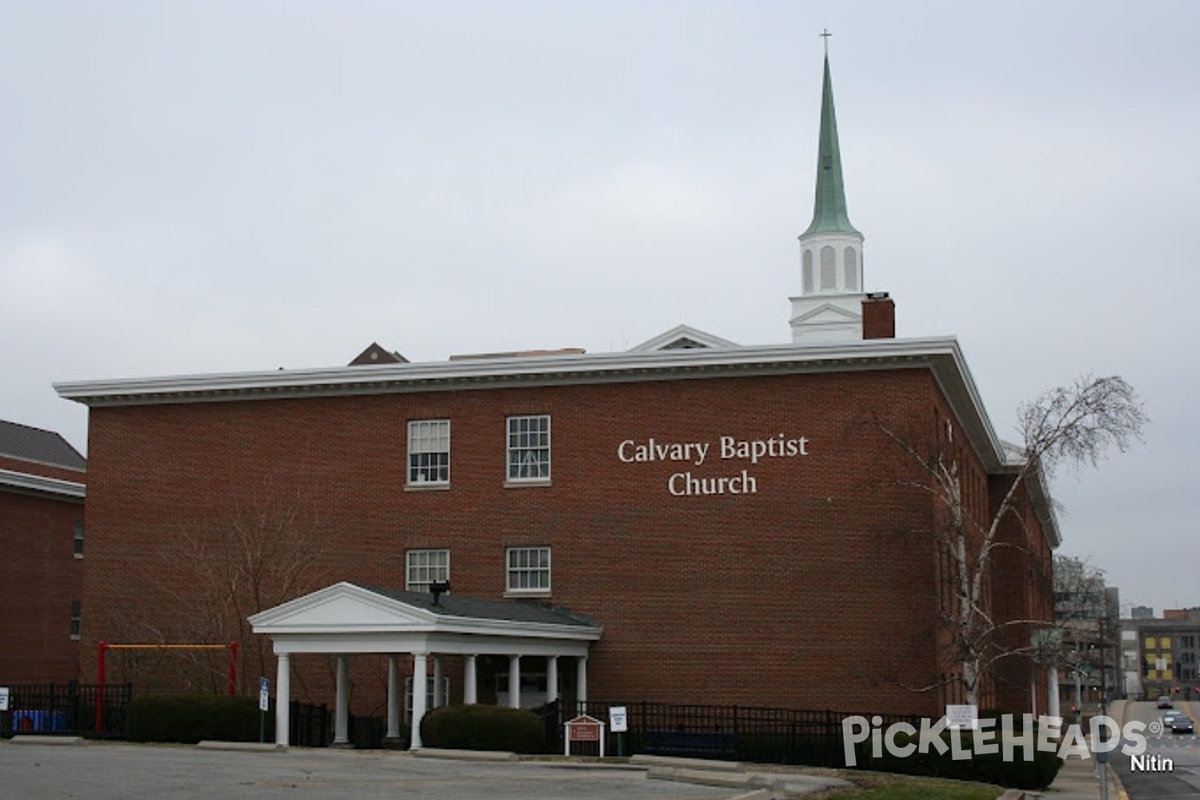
x,y
192,718
983,768
482,727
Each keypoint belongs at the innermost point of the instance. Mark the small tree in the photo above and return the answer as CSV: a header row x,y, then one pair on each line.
x,y
1073,426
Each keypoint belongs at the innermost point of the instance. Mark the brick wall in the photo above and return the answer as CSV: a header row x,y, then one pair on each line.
x,y
817,590
39,577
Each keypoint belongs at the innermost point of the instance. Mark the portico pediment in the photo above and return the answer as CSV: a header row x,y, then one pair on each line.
x,y
341,607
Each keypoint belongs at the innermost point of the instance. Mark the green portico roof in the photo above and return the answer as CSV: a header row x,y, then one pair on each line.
x,y
829,210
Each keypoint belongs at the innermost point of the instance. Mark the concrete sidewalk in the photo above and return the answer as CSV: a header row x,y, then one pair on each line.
x,y
1078,780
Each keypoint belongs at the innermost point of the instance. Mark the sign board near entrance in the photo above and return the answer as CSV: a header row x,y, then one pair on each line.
x,y
584,729
3,698
618,720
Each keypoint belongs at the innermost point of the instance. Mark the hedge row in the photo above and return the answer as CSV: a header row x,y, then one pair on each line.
x,y
192,718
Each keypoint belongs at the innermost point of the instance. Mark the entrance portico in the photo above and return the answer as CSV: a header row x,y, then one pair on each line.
x,y
347,618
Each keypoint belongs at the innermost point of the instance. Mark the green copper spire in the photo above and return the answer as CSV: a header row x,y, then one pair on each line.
x,y
829,211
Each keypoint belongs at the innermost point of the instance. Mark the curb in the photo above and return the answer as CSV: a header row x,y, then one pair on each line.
x,y
644,760
251,747
70,741
464,755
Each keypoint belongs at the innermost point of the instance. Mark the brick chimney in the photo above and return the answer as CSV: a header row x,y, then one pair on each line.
x,y
878,316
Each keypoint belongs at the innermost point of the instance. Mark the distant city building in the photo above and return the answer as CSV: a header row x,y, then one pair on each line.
x,y
1086,612
1160,655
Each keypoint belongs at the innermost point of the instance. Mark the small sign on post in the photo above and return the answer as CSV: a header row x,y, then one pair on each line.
x,y
962,717
3,698
584,729
264,705
618,723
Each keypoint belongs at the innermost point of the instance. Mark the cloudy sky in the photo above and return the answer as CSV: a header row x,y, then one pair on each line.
x,y
191,187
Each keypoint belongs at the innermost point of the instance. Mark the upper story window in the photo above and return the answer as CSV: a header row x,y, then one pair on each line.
x,y
529,448
528,569
426,567
429,452
79,539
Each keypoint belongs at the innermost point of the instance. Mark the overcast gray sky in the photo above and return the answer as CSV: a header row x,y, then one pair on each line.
x,y
191,187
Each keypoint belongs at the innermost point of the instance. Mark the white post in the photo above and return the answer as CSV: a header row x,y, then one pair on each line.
x,y
283,699
551,678
341,727
418,699
470,692
581,683
393,701
438,700
514,681
1052,688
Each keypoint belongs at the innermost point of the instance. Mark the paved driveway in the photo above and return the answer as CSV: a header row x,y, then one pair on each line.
x,y
132,771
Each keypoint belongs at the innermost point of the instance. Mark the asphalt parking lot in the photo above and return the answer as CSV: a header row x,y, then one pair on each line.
x,y
133,771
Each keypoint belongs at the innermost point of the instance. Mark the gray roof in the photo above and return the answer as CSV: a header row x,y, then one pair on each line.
x,y
452,605
34,444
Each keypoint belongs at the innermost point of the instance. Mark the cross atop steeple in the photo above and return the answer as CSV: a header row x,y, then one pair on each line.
x,y
825,34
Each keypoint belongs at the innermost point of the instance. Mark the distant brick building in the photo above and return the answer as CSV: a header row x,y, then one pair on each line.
x,y
739,521
41,549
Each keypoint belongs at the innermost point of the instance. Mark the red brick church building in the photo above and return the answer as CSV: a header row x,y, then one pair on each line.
x,y
714,523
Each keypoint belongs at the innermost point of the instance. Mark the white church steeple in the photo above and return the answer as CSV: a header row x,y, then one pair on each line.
x,y
829,308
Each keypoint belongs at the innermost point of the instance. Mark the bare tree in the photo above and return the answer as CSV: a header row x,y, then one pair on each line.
x,y
1071,426
254,556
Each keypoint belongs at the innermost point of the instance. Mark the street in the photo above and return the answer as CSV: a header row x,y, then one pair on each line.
x,y
1171,767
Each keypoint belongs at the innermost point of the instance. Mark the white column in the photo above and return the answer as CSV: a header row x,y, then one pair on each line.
x,y
581,683
418,699
393,700
283,698
1052,690
551,678
438,700
341,725
470,691
514,681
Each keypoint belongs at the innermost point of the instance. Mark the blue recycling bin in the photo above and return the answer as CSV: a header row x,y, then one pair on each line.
x,y
39,721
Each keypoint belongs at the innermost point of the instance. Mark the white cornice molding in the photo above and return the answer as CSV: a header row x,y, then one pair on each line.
x,y
941,355
25,482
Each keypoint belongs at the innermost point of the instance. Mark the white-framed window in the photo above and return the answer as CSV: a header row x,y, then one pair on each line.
x,y
528,569
428,452
78,545
529,448
428,696
76,618
425,567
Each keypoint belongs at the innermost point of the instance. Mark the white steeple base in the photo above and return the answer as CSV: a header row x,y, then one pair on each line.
x,y
827,318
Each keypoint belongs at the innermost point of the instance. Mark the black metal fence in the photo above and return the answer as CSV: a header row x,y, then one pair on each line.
x,y
66,709
312,726
740,733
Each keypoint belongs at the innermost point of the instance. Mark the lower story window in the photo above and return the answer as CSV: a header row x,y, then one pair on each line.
x,y
76,618
528,569
408,696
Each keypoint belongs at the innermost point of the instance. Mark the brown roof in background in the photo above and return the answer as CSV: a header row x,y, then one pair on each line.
x,y
34,444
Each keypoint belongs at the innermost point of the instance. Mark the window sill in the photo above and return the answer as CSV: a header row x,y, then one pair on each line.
x,y
79,555
426,487
75,637
535,593
522,484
